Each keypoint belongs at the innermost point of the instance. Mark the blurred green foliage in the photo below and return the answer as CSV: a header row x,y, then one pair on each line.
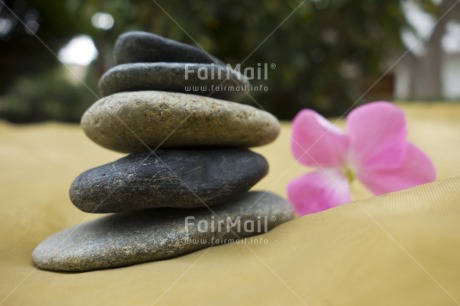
x,y
22,53
50,95
324,50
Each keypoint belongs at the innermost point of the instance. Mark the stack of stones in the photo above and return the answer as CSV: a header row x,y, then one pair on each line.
x,y
185,184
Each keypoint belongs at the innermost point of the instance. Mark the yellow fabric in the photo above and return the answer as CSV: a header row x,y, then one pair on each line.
x,y
398,249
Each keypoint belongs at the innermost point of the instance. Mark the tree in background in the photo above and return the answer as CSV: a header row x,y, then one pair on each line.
x,y
323,50
426,69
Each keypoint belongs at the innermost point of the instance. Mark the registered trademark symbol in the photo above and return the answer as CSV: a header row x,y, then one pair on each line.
x,y
273,218
273,66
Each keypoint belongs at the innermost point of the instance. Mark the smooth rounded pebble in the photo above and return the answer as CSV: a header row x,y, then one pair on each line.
x,y
144,47
147,235
209,80
168,178
144,120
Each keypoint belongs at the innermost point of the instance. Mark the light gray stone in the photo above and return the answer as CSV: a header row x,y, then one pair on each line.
x,y
168,178
128,122
147,235
209,80
144,47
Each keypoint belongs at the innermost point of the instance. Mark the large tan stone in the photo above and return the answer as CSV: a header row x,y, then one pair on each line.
x,y
144,120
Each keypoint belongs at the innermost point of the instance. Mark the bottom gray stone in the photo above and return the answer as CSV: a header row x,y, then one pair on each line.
x,y
153,234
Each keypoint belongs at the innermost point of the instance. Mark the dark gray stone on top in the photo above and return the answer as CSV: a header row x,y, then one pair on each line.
x,y
210,80
143,47
168,178
147,235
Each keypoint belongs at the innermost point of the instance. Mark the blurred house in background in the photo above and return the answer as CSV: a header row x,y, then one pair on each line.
x,y
406,76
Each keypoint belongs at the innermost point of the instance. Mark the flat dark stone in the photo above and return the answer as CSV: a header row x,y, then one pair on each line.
x,y
147,235
168,178
143,47
208,80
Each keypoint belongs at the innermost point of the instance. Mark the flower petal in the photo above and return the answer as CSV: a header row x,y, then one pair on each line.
x,y
318,191
316,142
377,134
415,169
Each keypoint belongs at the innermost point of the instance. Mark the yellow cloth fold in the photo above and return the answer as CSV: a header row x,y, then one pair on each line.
x,y
398,249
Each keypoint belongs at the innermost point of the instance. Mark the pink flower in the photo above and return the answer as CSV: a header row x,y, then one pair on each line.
x,y
375,151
